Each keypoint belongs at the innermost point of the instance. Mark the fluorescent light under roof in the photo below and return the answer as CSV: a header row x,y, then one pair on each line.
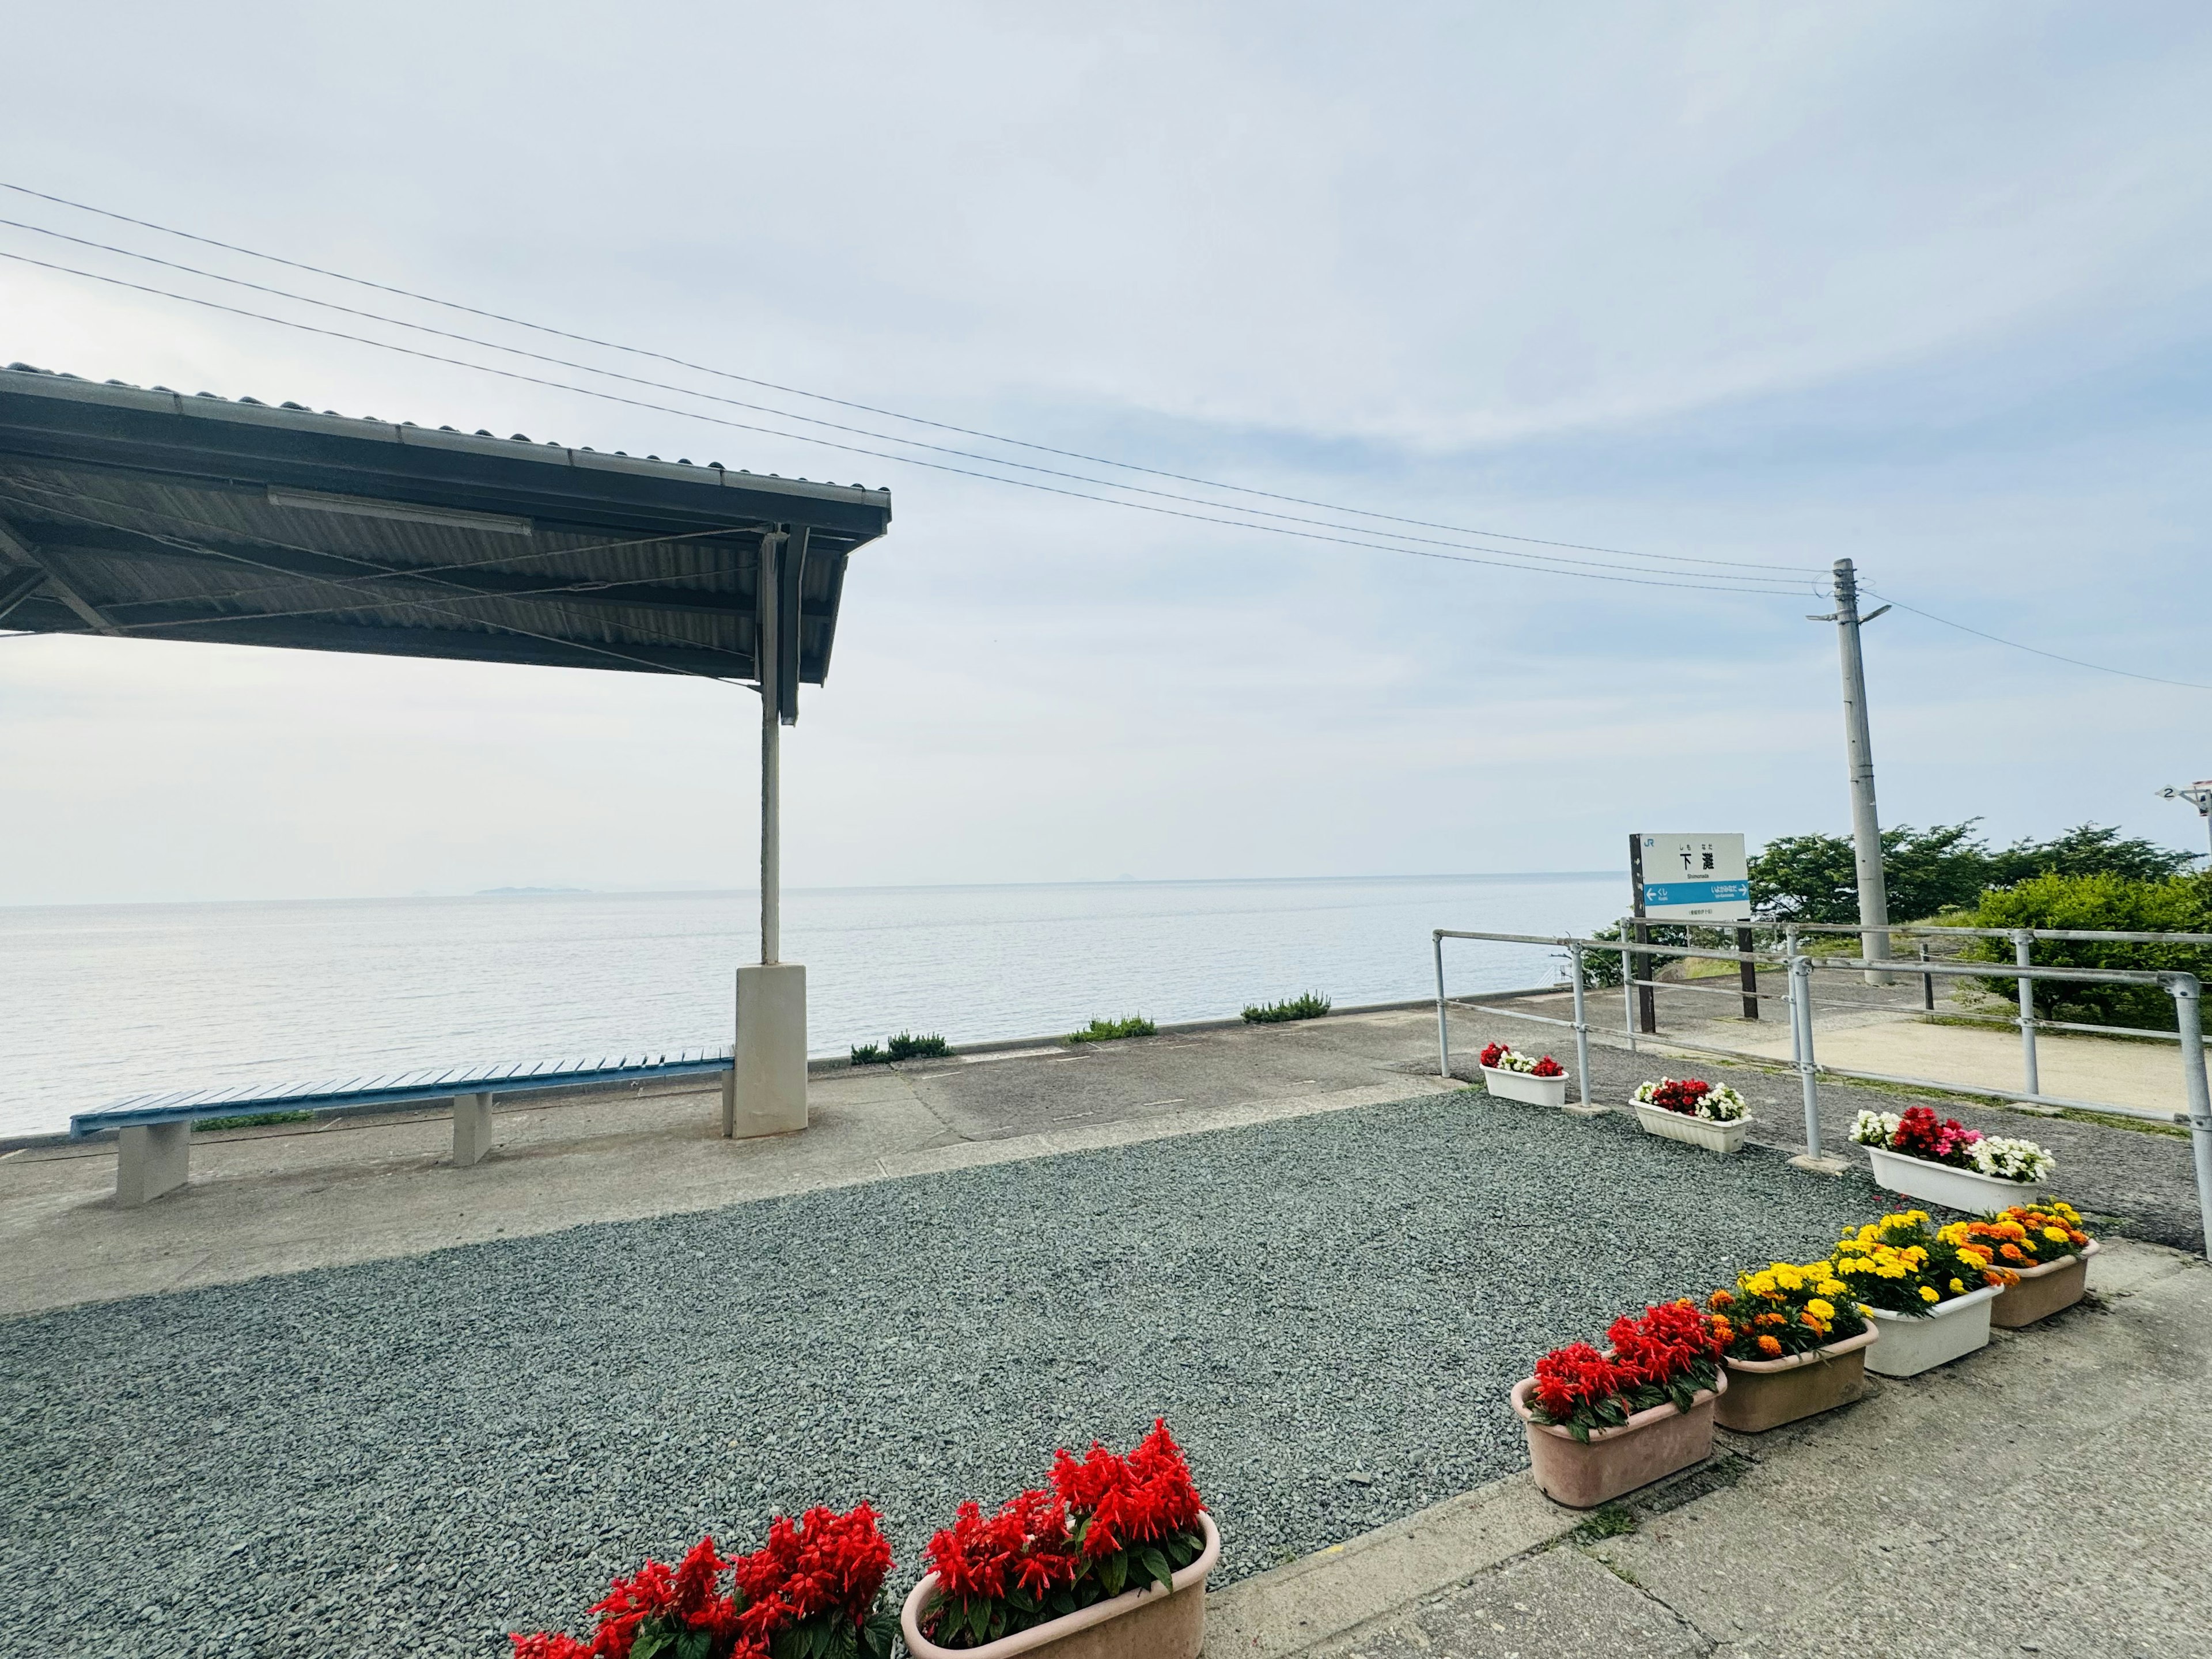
x,y
368,507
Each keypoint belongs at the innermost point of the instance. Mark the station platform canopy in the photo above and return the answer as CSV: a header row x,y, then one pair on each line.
x,y
146,513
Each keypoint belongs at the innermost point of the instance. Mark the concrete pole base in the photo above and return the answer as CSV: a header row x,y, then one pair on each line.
x,y
150,1161
1827,1166
472,1129
765,1093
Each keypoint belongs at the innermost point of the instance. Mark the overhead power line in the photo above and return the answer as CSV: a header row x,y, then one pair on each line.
x,y
2036,650
1720,565
1502,559
942,426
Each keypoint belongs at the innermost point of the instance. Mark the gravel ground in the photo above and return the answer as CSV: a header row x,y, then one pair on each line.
x,y
2134,1180
418,1456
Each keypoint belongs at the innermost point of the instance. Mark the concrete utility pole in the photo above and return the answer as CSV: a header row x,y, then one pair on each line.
x,y
1858,743
2198,795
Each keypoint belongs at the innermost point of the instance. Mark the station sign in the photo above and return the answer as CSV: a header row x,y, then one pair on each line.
x,y
1691,877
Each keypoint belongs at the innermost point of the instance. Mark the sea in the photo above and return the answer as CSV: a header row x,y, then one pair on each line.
x,y
98,1002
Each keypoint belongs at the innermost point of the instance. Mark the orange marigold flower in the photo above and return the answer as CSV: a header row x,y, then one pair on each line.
x,y
1770,1347
2011,1253
1720,1299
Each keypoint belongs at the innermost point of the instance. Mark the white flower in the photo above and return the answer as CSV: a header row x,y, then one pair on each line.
x,y
1722,1104
1873,1129
2012,1160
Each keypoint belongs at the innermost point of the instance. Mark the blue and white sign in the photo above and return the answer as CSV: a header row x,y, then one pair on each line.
x,y
1692,878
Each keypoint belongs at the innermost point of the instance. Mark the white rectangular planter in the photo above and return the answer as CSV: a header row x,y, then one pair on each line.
x,y
1908,1345
1520,1085
1711,1133
1969,1190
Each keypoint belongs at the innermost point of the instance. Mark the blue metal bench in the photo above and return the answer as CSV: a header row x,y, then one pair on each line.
x,y
154,1131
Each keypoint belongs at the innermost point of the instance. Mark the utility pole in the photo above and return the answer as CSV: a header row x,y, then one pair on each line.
x,y
1858,744
2198,795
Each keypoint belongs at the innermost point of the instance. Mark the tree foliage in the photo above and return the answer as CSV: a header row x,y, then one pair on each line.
x,y
1814,878
2101,902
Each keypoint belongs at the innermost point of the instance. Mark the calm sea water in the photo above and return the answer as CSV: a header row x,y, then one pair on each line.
x,y
100,1001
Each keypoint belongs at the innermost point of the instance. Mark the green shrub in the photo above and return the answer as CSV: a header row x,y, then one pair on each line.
x,y
1312,1004
2103,902
866,1054
252,1121
907,1045
1106,1030
1927,872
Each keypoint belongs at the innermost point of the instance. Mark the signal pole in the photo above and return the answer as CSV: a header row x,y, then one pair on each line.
x,y
1858,745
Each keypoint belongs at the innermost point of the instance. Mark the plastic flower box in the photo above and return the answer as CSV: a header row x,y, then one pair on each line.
x,y
1713,1135
1157,1622
1967,1190
1520,1086
1765,1394
1948,1331
1693,1111
2042,1290
1511,1075
1651,1446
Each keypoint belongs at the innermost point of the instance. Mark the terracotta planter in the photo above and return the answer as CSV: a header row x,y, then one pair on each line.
x,y
1910,1346
1520,1085
1968,1190
2043,1290
1765,1394
1714,1134
1651,1446
1150,1623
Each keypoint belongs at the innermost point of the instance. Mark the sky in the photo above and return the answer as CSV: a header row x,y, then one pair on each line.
x,y
1920,287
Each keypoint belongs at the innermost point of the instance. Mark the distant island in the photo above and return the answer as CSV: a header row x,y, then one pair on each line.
x,y
518,892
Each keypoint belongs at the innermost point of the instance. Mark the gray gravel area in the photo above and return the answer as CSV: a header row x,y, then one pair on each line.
x,y
418,1456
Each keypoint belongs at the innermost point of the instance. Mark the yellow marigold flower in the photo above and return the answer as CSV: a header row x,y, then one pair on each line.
x,y
1928,1293
2056,1235
1821,1309
1958,1287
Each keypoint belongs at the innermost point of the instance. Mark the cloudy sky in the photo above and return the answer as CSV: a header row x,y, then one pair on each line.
x,y
1923,287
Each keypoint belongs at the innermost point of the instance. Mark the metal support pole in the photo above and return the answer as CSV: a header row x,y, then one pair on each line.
x,y
1581,1023
1443,1031
1628,997
1858,744
1647,999
2023,941
2188,997
1747,974
1927,985
766,665
1800,978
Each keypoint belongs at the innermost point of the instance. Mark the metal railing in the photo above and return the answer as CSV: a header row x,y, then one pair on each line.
x,y
2026,1021
2184,987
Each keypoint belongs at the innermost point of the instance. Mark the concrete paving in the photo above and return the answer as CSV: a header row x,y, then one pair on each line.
x,y
2045,1495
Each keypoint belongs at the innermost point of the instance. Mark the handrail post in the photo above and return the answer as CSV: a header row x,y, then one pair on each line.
x,y
2023,954
1582,1021
1443,1031
1927,985
2189,1016
1801,977
1789,979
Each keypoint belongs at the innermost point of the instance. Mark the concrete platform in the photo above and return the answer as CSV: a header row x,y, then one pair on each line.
x,y
284,1197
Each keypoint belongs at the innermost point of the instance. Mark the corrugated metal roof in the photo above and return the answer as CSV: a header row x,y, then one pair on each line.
x,y
161,516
